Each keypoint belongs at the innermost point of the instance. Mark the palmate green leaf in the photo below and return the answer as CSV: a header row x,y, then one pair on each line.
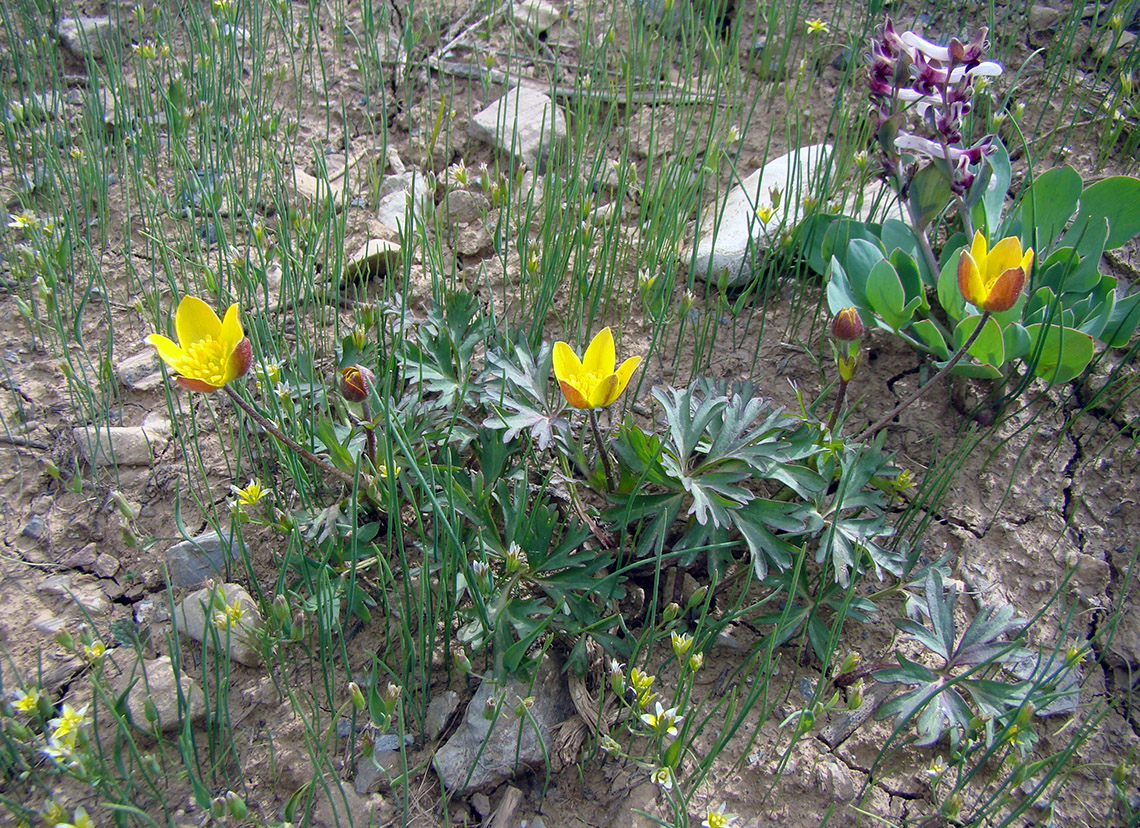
x,y
516,390
441,358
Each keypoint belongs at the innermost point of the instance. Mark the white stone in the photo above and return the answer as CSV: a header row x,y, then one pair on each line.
x,y
732,237
524,123
536,15
86,36
402,197
155,681
195,617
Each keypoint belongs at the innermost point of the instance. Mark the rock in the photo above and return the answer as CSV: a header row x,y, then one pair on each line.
x,y
106,565
173,698
465,207
483,753
523,123
536,15
205,556
87,37
140,372
472,240
123,445
82,590
374,258
341,807
1107,45
835,781
1041,20
202,616
439,712
36,528
373,774
402,197
728,251
51,625
316,190
83,558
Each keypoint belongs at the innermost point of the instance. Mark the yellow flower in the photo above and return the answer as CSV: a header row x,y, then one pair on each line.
x,y
992,278
27,701
66,727
717,818
251,493
592,382
663,777
765,213
816,26
229,615
210,352
25,220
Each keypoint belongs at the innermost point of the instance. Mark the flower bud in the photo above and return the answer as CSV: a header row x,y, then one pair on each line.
x,y
241,358
356,382
672,610
357,696
848,326
236,805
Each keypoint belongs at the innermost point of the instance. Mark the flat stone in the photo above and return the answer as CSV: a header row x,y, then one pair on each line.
x,y
536,15
483,753
373,774
439,712
196,617
51,625
83,590
36,528
376,257
472,240
1115,49
140,372
1042,18
523,123
731,238
835,781
465,207
403,197
86,37
122,445
174,698
106,565
83,558
316,190
193,561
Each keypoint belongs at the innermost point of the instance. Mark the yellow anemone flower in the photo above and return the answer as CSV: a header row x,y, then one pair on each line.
x,y
992,278
592,381
210,352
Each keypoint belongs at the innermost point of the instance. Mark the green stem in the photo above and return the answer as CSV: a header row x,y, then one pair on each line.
x,y
894,412
270,427
602,450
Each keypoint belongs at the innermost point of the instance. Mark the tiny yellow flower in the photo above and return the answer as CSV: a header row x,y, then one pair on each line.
x,y
81,819
94,651
662,720
27,700
717,818
663,777
210,352
592,382
229,616
251,493
681,643
66,727
992,279
696,661
24,220
816,26
765,213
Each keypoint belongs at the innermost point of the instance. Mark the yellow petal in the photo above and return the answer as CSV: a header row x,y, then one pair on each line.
x,y
195,320
567,366
624,373
970,280
232,333
1027,261
1005,291
979,249
600,357
1004,255
605,392
168,351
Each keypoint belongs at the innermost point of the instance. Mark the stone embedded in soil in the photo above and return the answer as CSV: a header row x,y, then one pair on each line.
x,y
314,189
439,712
1116,49
376,257
834,781
524,123
197,617
87,37
140,372
83,590
732,238
106,565
536,15
373,774
482,754
36,528
396,206
122,445
342,807
193,561
632,811
155,681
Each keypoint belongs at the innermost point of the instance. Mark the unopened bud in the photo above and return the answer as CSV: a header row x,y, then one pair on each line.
x,y
241,358
356,695
848,326
236,806
356,382
672,610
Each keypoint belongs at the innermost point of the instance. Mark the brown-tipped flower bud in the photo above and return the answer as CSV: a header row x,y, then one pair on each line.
x,y
356,382
848,326
241,358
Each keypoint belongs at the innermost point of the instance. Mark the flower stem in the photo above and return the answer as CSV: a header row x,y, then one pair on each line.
x,y
840,395
268,426
369,433
871,430
602,450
